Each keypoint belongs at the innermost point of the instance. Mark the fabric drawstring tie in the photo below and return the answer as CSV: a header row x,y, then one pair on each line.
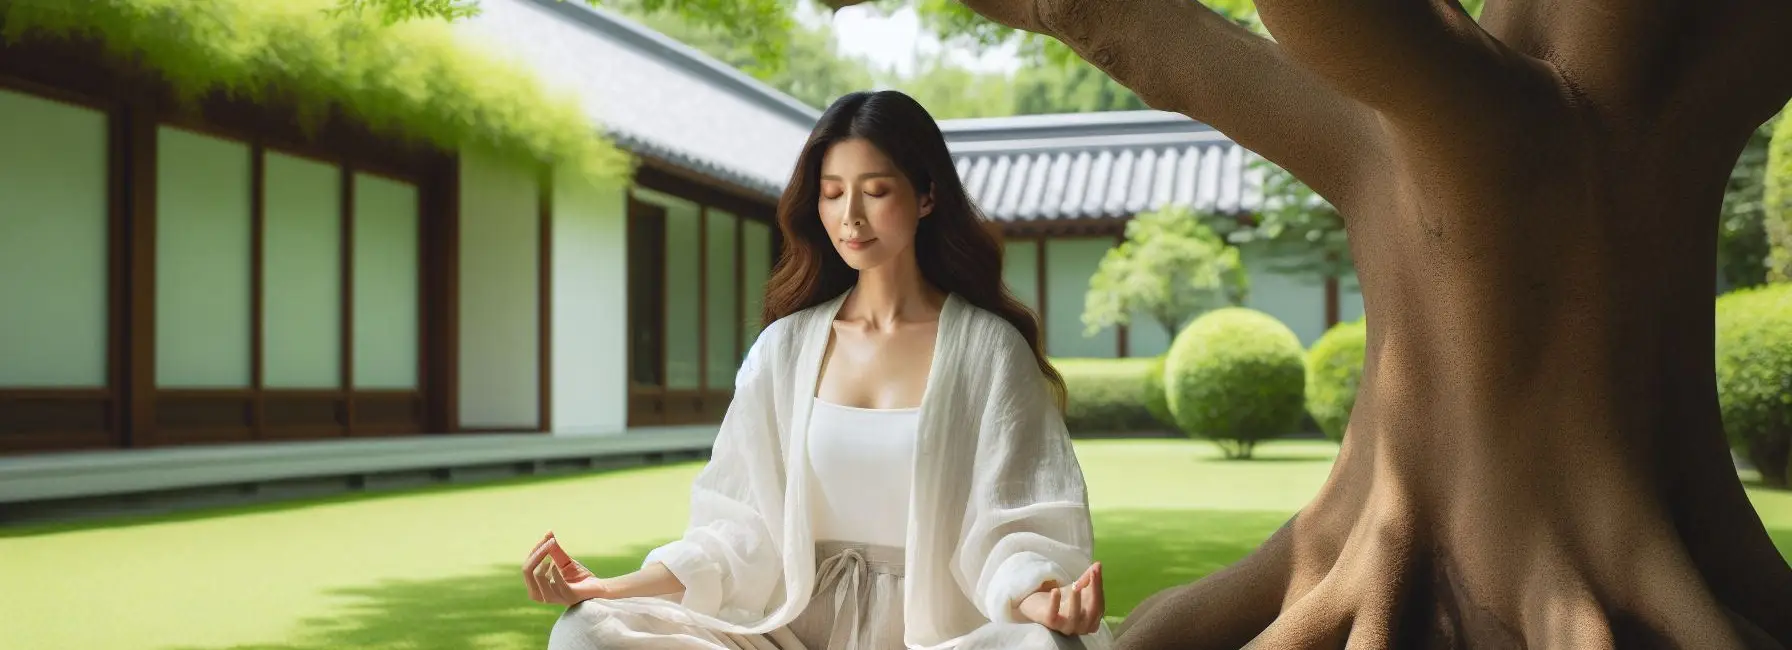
x,y
847,568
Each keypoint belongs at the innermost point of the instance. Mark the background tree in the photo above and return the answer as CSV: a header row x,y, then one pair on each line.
x,y
1171,267
1777,203
1298,231
1742,234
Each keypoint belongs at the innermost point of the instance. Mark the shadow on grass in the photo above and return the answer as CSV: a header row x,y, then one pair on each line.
x,y
1146,551
486,611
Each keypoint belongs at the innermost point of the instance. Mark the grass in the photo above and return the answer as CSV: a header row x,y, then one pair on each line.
x,y
437,569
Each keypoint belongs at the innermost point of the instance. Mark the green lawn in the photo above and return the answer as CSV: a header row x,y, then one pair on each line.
x,y
437,569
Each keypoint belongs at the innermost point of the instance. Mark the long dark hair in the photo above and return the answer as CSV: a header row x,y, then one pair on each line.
x,y
953,245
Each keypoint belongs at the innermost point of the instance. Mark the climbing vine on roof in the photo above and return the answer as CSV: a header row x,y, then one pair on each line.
x,y
414,79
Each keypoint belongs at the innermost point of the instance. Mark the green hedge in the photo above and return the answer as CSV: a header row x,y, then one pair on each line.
x,y
413,80
1334,368
1754,376
1108,396
1236,376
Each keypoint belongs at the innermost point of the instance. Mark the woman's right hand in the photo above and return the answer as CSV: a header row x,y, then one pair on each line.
x,y
553,577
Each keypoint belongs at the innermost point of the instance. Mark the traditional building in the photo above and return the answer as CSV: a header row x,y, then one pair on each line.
x,y
211,303
1062,187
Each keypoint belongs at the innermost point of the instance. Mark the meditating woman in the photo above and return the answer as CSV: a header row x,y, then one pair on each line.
x,y
893,471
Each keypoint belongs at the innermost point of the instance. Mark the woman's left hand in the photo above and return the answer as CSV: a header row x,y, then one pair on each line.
x,y
1074,610
553,577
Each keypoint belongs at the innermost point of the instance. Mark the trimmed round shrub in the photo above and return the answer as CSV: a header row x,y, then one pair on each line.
x,y
1107,396
1157,399
1754,376
1334,368
1236,376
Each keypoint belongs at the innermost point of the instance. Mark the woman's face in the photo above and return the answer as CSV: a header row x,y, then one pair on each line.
x,y
869,208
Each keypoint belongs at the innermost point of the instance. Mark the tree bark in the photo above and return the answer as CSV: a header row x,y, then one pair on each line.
x,y
1536,456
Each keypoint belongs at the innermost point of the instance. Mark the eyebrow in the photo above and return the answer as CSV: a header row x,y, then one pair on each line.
x,y
836,177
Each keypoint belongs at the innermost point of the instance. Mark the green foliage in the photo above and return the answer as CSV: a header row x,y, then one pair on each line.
x,y
1157,399
1236,376
765,24
1777,200
1171,267
1742,246
1074,86
413,79
1107,395
811,68
951,91
1754,376
1334,369
1300,232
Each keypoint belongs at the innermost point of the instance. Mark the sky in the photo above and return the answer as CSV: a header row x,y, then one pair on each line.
x,y
893,40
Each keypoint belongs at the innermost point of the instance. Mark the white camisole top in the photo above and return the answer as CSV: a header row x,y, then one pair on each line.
x,y
862,464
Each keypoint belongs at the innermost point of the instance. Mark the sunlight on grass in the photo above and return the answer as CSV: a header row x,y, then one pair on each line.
x,y
438,569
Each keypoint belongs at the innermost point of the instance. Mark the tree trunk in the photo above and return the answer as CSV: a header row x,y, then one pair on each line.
x,y
1772,458
1536,457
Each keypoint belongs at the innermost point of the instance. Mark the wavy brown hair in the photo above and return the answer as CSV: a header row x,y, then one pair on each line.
x,y
953,245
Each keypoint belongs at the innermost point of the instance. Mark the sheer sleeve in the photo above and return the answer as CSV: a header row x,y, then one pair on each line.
x,y
1028,520
728,558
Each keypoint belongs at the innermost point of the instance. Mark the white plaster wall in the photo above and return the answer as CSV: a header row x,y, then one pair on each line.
x,y
590,309
500,238
1297,302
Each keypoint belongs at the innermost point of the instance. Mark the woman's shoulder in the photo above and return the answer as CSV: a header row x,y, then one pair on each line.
x,y
989,332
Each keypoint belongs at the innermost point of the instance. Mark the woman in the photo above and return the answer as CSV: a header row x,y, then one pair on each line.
x,y
893,470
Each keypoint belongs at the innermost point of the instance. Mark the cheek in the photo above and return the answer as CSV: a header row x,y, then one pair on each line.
x,y
895,218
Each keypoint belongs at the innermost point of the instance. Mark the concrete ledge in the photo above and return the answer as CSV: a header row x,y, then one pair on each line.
x,y
315,467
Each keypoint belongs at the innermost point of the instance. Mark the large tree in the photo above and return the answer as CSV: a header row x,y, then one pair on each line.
x,y
1536,457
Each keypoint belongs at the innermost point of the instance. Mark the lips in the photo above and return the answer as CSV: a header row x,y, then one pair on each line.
x,y
857,244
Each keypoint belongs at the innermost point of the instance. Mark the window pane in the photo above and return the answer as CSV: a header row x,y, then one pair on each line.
x,y
723,290
301,273
1069,264
52,225
756,260
202,261
683,328
386,283
646,280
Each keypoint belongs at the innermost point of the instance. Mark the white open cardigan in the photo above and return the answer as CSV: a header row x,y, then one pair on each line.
x,y
998,504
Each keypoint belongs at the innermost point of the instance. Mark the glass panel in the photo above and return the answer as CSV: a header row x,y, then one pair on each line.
x,y
682,296
53,224
202,261
386,283
1069,263
1020,270
301,259
646,281
723,291
756,269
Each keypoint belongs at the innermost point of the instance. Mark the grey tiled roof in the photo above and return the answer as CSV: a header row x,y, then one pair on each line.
x,y
651,94
1099,165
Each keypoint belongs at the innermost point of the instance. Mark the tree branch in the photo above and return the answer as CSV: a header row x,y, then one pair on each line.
x,y
1180,56
1418,62
1734,65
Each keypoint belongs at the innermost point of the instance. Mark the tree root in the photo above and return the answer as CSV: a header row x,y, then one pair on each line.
x,y
1401,578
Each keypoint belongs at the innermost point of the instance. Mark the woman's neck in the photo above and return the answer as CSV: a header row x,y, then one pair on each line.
x,y
893,293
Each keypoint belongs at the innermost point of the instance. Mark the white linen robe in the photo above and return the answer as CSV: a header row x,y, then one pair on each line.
x,y
998,504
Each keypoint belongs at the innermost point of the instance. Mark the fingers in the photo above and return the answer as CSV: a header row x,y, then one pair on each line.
x,y
533,562
559,592
560,556
1073,611
540,576
1053,618
1100,597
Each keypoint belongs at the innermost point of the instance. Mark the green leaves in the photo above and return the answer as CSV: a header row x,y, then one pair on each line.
x,y
1171,266
1777,202
409,78
1302,234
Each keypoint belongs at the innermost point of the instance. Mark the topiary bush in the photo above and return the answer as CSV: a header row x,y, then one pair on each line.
x,y
1334,368
1157,399
1754,376
1236,376
1107,396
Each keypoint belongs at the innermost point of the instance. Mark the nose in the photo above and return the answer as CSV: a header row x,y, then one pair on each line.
x,y
854,214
